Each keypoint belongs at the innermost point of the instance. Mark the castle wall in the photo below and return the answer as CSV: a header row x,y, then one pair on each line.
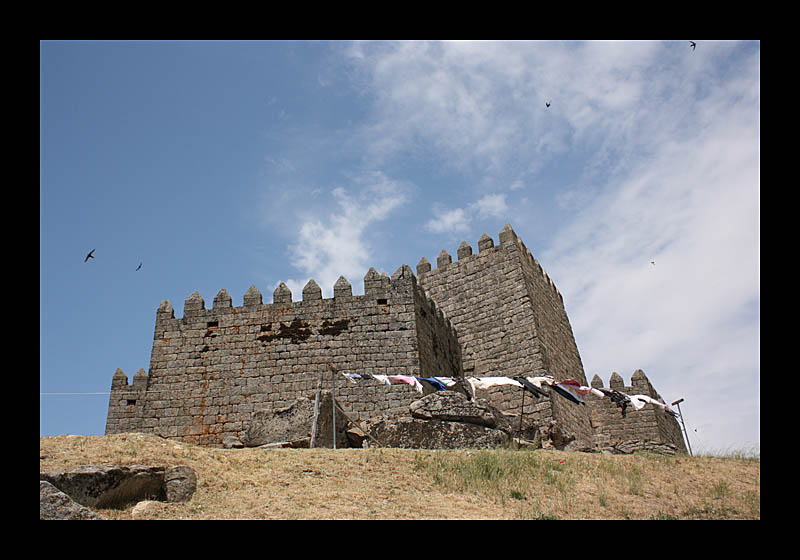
x,y
492,313
649,423
212,368
510,321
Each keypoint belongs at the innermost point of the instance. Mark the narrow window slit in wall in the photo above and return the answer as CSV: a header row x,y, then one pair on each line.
x,y
383,301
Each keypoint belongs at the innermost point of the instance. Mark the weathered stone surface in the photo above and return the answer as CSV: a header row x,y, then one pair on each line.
x,y
285,424
145,508
356,437
109,486
631,446
179,483
413,433
103,486
293,423
451,406
232,442
212,369
56,505
488,313
611,427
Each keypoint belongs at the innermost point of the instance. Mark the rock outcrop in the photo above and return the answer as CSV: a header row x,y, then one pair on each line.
x,y
56,505
104,486
291,425
413,433
443,420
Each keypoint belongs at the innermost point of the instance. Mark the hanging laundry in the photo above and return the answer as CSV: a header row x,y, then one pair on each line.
x,y
457,384
564,392
448,382
537,392
582,390
620,399
642,399
352,376
437,385
666,408
408,380
382,378
486,382
546,379
637,402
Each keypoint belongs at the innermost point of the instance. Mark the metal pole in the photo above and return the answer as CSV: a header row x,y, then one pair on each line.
x,y
521,412
685,433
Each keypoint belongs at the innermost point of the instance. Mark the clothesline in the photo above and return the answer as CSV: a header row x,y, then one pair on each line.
x,y
570,389
101,393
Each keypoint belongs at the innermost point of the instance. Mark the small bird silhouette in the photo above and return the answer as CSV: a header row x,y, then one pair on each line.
x,y
89,256
692,44
138,267
547,104
653,263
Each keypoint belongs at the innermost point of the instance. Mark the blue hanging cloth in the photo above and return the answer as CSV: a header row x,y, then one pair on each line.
x,y
435,382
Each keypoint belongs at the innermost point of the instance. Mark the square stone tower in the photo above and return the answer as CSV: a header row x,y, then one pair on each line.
x,y
511,322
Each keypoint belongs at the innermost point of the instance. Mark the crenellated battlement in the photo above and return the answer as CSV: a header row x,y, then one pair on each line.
x,y
490,312
508,240
640,384
212,368
377,288
509,316
611,427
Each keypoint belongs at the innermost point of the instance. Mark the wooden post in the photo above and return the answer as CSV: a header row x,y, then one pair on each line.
x,y
333,401
315,422
357,425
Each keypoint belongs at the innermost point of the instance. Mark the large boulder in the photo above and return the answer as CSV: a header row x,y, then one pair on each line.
x,y
630,446
451,406
292,424
414,433
179,483
56,505
104,486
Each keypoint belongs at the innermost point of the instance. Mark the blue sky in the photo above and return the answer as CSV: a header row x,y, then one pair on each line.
x,y
230,164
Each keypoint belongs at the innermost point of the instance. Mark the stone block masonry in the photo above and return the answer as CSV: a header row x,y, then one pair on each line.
x,y
511,321
495,312
650,423
213,368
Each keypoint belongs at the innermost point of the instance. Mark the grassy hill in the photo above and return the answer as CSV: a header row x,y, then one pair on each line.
x,y
426,484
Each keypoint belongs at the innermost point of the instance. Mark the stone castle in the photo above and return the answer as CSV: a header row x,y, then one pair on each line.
x,y
491,313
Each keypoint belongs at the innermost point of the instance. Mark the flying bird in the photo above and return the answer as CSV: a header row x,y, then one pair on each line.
x,y
138,267
547,104
692,44
89,256
653,263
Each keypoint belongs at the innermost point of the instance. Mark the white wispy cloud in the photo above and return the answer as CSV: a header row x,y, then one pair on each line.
x,y
648,152
691,320
666,140
459,220
335,242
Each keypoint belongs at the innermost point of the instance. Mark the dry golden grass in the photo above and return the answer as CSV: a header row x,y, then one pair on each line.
x,y
426,484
